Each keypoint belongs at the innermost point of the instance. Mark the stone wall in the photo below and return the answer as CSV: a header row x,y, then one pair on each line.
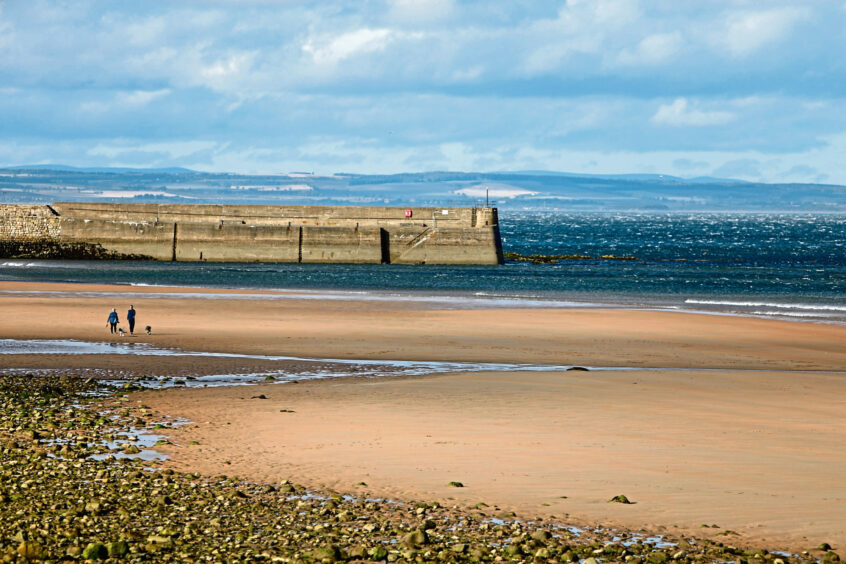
x,y
28,223
150,240
234,233
318,216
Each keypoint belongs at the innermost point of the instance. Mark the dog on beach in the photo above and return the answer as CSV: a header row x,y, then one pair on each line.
x,y
148,329
121,331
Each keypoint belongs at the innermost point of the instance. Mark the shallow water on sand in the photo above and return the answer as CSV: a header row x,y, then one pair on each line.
x,y
304,368
300,368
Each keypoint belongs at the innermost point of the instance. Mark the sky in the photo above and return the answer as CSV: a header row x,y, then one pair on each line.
x,y
744,89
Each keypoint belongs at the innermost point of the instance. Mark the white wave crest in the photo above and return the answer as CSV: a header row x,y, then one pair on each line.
x,y
806,315
809,307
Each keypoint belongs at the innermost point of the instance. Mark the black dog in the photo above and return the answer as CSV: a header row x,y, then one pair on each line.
x,y
148,329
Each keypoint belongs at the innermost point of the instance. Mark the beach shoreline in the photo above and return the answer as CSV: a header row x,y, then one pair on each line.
x,y
766,403
395,330
810,310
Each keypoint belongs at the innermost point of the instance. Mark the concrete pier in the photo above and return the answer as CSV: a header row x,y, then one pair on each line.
x,y
236,233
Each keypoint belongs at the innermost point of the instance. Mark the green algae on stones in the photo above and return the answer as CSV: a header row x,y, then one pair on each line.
x,y
117,549
95,551
378,553
415,539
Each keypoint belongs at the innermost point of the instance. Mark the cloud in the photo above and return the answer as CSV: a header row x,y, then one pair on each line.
x,y
679,114
688,165
326,155
583,85
148,31
347,45
7,37
747,32
123,101
227,66
800,172
652,50
469,74
417,12
142,97
749,169
614,13
580,28
173,150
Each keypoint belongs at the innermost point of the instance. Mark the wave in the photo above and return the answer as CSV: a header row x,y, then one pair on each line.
x,y
808,315
40,264
809,307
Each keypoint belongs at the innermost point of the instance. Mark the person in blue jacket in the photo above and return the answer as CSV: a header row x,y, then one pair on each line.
x,y
113,320
130,317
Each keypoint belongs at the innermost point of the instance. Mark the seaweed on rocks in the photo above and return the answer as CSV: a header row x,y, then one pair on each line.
x,y
543,259
46,249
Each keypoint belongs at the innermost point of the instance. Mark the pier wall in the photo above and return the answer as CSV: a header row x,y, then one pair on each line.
x,y
28,223
234,233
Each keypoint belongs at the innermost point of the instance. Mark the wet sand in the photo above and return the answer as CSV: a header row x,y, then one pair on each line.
x,y
122,366
757,453
752,446
420,331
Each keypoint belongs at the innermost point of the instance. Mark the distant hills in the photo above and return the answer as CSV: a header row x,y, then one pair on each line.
x,y
530,190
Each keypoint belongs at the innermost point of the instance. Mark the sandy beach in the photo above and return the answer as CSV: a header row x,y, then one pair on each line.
x,y
399,330
754,453
741,427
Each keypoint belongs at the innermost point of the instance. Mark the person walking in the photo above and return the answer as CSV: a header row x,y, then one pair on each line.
x,y
113,320
130,317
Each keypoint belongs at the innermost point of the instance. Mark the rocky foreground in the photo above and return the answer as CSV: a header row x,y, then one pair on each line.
x,y
72,487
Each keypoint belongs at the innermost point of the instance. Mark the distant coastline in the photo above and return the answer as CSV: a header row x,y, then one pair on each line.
x,y
530,190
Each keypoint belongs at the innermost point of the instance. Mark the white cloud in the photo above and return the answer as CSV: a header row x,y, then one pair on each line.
x,y
154,59
446,78
142,97
824,163
420,11
175,149
613,13
815,105
678,113
364,40
747,32
581,27
800,173
228,66
467,75
652,50
6,31
123,101
149,31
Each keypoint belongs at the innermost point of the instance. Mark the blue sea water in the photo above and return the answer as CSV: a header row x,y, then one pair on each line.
x,y
787,266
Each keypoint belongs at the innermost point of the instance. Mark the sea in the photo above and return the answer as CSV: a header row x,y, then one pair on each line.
x,y
769,265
